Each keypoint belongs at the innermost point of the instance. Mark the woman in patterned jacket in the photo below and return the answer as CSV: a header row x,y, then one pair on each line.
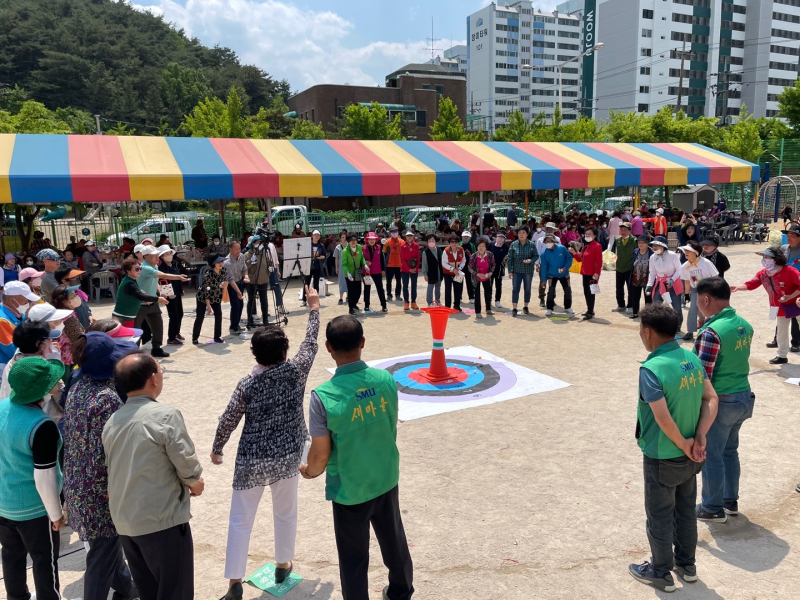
x,y
271,445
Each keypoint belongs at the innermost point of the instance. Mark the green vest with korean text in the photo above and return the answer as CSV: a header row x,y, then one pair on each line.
x,y
733,360
681,376
361,404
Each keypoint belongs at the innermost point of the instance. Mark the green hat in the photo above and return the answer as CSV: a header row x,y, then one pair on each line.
x,y
32,378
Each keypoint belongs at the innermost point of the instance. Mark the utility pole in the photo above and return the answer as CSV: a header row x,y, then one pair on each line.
x,y
725,71
680,85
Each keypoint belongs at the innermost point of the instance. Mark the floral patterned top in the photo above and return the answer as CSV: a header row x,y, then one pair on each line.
x,y
271,401
89,405
72,331
211,288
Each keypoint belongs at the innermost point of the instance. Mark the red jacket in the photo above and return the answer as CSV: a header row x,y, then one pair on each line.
x,y
591,259
407,253
784,283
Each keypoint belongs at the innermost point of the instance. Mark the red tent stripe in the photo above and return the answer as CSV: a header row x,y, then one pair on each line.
x,y
650,174
378,178
253,176
573,175
720,173
483,176
97,169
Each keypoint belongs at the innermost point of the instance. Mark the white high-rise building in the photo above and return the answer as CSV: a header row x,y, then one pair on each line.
x,y
500,41
733,51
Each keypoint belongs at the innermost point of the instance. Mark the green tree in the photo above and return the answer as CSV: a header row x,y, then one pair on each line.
x,y
629,128
516,130
743,138
773,129
448,125
215,118
370,123
306,130
182,88
11,99
789,105
33,117
582,130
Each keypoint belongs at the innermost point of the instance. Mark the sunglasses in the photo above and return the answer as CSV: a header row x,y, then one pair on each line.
x,y
137,269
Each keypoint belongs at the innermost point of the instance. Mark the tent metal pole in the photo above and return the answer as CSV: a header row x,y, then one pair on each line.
x,y
480,214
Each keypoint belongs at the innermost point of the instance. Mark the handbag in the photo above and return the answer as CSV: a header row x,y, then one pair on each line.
x,y
413,262
367,280
165,289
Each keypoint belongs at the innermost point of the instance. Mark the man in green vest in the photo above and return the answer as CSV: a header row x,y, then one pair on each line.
x,y
624,246
723,347
353,426
677,405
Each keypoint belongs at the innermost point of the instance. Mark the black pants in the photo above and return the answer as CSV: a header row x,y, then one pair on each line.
x,y
623,281
151,314
201,315
636,297
351,528
487,295
162,563
670,494
106,569
378,281
309,280
262,289
795,329
497,282
175,312
37,539
393,273
542,291
409,278
551,292
587,293
353,293
468,284
452,292
237,304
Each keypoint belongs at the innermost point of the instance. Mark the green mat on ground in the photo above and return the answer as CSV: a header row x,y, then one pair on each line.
x,y
264,579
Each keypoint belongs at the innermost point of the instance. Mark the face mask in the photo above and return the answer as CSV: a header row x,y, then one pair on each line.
x,y
395,234
431,245
59,327
768,263
549,245
75,302
538,230
35,283
589,238
658,251
22,308
29,263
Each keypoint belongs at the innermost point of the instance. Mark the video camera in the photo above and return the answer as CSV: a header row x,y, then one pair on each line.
x,y
267,235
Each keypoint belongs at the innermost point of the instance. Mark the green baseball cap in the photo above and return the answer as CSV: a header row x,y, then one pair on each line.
x,y
32,378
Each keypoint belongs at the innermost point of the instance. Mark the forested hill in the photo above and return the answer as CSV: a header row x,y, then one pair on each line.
x,y
107,58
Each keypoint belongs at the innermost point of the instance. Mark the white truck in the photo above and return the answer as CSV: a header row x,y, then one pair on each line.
x,y
178,231
284,218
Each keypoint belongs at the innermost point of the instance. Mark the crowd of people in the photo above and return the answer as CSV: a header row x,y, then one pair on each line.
x,y
88,443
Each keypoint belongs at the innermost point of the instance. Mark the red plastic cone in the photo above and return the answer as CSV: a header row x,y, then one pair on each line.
x,y
438,370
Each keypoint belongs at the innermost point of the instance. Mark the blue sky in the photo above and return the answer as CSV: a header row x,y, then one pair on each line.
x,y
315,41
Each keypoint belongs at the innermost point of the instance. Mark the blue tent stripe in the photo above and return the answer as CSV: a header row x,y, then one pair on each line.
x,y
755,169
625,173
450,176
205,175
697,173
339,177
40,169
543,175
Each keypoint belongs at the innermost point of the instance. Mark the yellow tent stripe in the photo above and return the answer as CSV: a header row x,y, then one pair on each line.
x,y
674,174
298,177
600,174
6,150
514,176
415,176
153,173
739,171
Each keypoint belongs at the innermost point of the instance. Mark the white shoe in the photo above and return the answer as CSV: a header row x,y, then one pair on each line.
x,y
548,313
570,311
629,311
497,305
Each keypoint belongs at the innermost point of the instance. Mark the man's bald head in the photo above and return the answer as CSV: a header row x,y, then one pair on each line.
x,y
138,373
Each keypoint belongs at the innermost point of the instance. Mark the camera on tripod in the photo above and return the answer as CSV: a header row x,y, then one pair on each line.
x,y
267,235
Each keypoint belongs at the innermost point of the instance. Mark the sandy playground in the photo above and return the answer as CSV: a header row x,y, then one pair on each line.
x,y
538,497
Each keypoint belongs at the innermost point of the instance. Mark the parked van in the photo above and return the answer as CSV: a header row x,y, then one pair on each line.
x,y
178,231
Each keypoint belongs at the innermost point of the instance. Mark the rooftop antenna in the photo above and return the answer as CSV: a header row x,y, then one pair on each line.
x,y
432,42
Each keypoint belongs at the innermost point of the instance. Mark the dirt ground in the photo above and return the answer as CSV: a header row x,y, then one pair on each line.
x,y
539,497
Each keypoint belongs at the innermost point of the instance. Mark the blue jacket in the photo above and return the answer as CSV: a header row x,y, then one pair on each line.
x,y
553,260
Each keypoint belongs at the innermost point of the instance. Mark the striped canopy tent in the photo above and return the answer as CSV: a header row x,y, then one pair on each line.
x,y
90,168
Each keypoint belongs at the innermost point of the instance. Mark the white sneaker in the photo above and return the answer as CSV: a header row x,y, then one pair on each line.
x,y
497,305
548,313
570,311
629,311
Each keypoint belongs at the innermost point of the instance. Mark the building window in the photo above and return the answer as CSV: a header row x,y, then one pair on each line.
x,y
569,34
440,89
422,118
647,13
426,86
643,108
575,47
644,89
647,52
778,16
647,33
502,90
644,70
784,33
785,49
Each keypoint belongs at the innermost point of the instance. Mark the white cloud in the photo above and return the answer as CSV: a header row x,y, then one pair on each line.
x,y
305,46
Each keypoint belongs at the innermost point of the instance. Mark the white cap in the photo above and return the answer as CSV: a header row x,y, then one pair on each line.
x,y
47,312
164,249
18,288
550,225
316,232
148,250
90,243
409,232
466,234
660,211
138,248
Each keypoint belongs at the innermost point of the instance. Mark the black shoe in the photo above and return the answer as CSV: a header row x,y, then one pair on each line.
x,y
390,298
588,316
282,574
772,344
731,508
341,302
250,326
633,316
219,340
779,361
686,572
352,312
688,337
159,353
645,573
525,310
235,592
797,488
384,309
195,342
794,349
132,595
541,304
708,516
513,312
